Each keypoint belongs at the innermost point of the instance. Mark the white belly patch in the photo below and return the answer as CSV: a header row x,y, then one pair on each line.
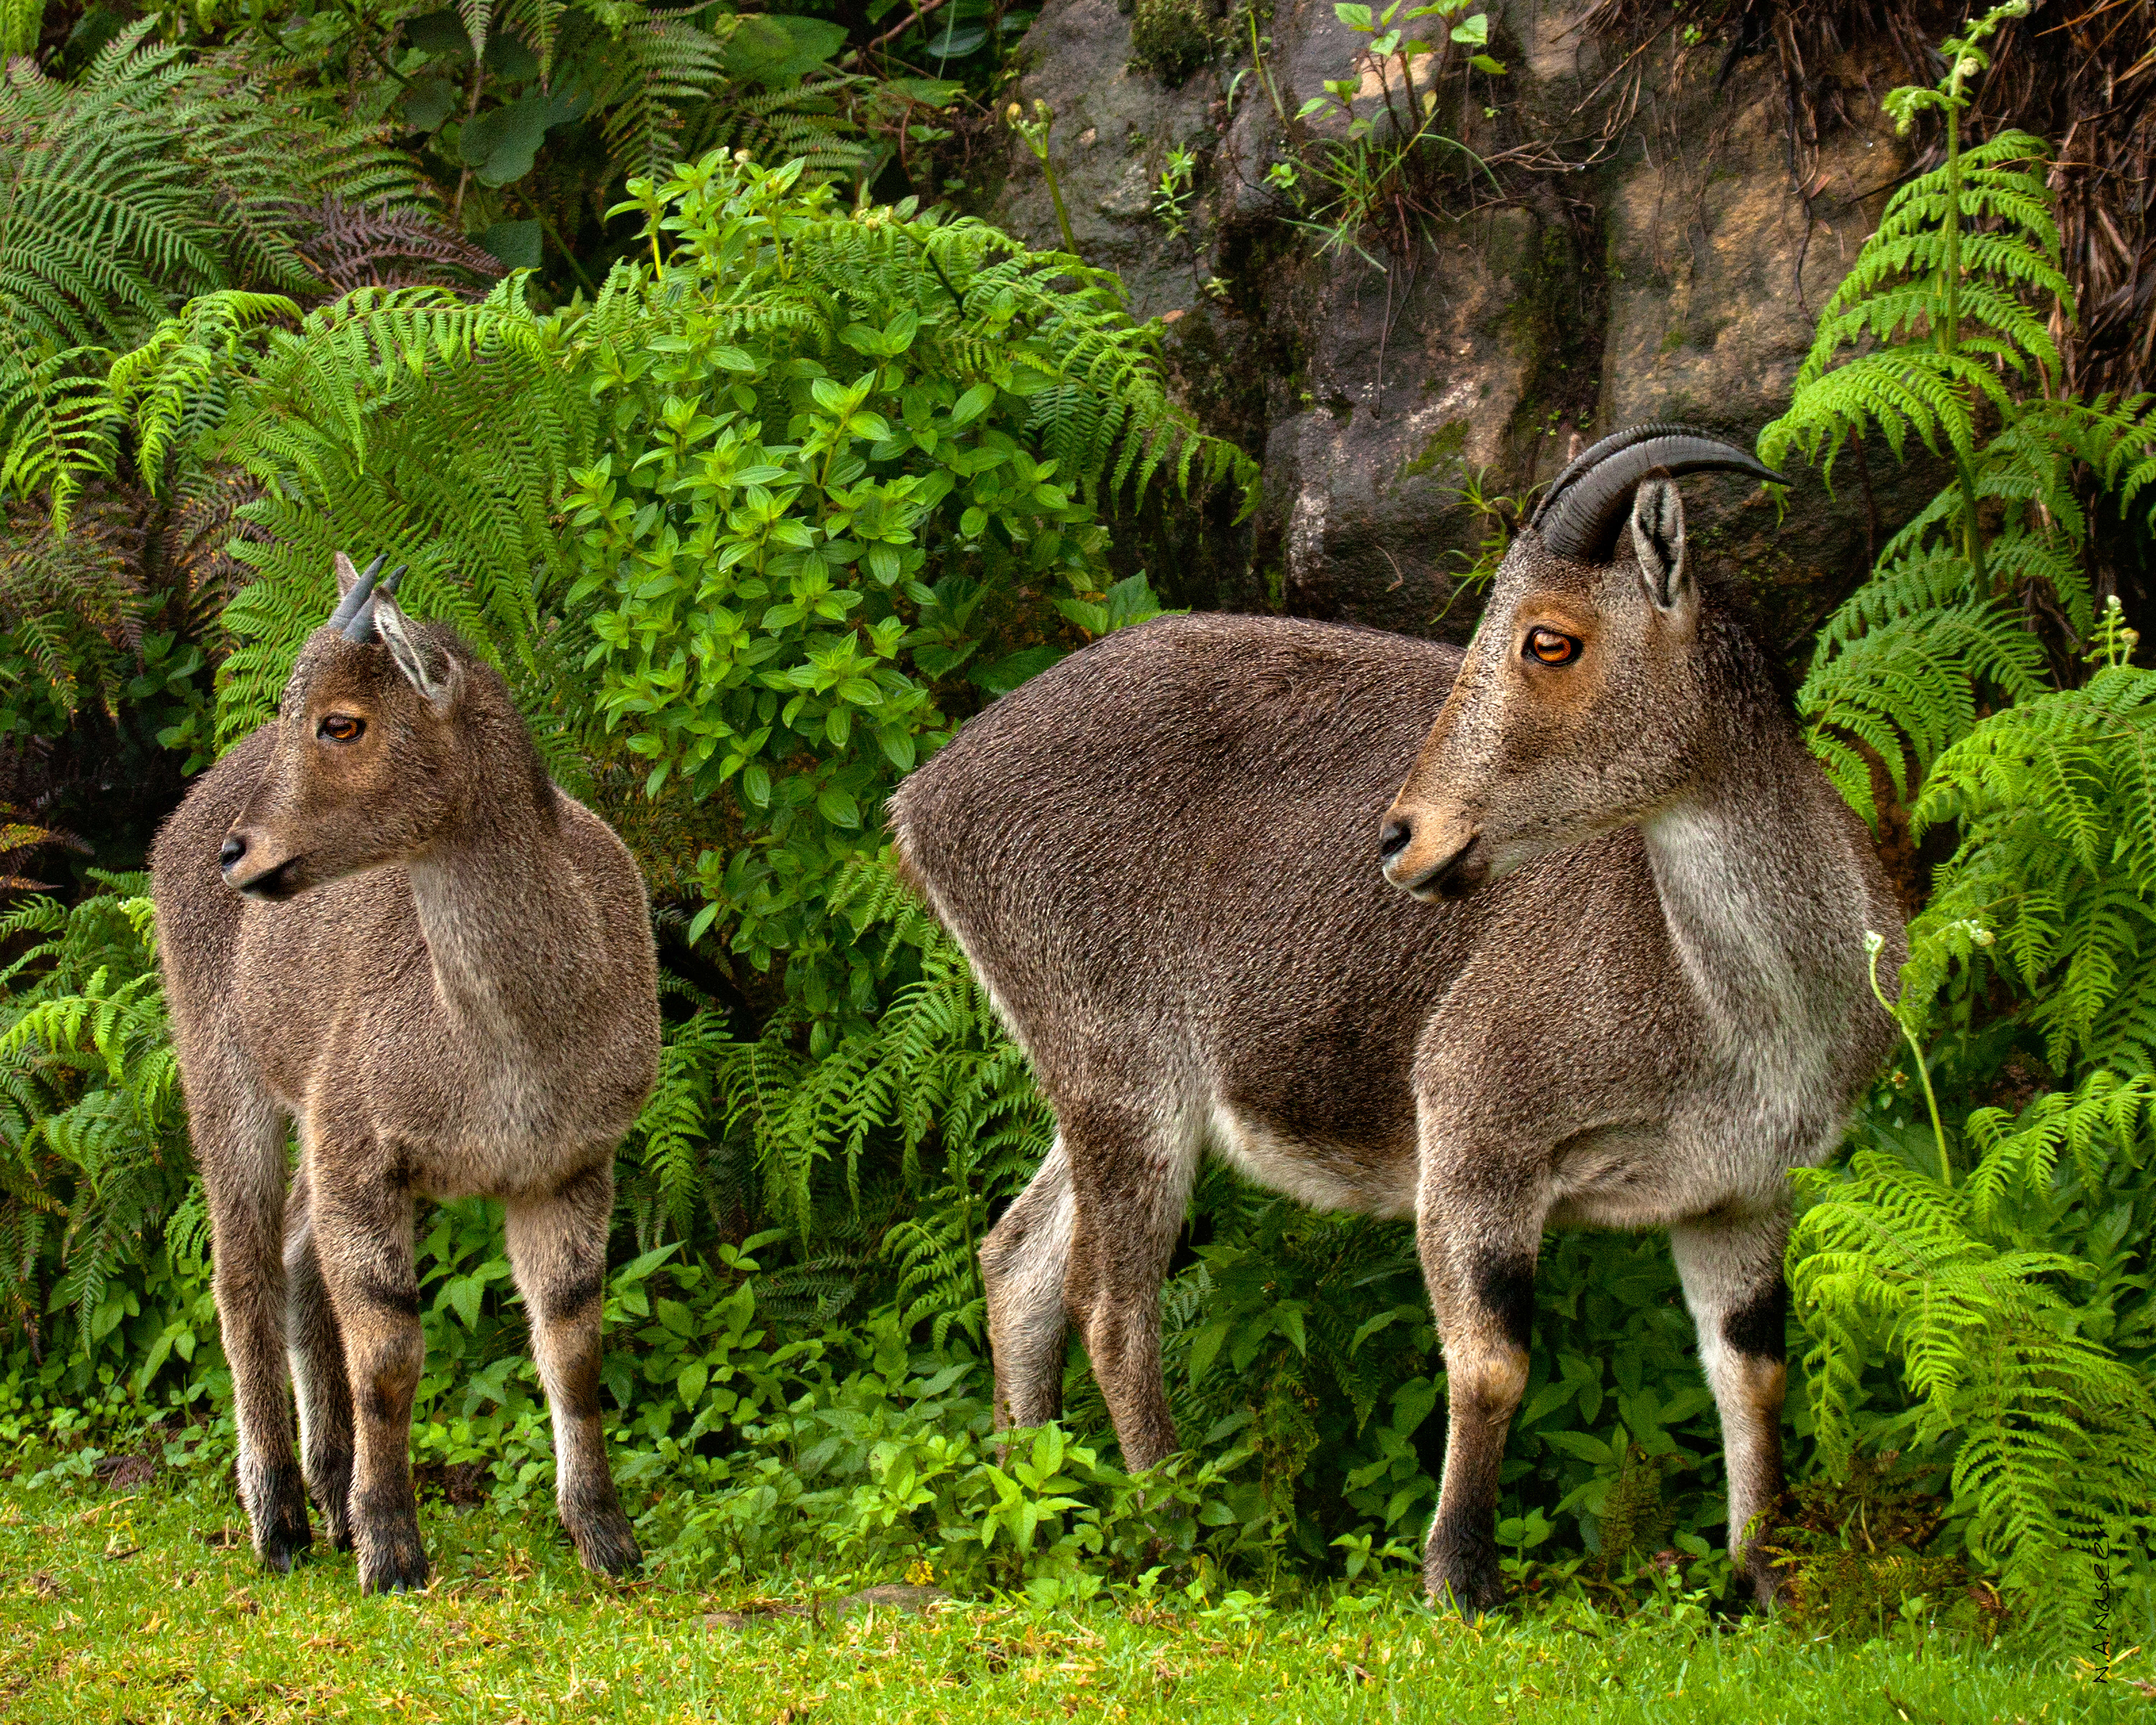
x,y
1327,1176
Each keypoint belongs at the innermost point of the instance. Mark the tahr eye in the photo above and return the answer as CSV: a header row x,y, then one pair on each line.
x,y
341,728
1551,648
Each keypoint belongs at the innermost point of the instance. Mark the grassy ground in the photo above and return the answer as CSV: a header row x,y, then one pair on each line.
x,y
145,1604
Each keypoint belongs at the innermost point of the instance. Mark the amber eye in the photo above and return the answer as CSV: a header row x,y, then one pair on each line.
x,y
341,728
1551,648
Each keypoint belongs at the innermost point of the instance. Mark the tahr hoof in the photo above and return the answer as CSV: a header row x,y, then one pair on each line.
x,y
397,1564
284,1541
605,1544
1473,1589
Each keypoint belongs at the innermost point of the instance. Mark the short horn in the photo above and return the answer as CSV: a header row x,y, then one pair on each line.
x,y
1582,513
361,628
353,603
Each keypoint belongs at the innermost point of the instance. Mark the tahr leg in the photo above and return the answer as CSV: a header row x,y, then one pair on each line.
x,y
557,1248
1733,1281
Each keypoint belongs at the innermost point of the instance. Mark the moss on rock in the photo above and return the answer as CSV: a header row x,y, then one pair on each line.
x,y
1171,38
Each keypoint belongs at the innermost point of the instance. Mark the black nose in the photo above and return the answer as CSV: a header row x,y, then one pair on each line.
x,y
233,848
1392,837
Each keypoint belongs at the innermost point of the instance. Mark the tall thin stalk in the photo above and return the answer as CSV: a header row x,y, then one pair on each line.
x,y
1949,332
1874,943
1035,133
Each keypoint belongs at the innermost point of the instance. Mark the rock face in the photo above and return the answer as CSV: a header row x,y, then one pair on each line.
x,y
1672,270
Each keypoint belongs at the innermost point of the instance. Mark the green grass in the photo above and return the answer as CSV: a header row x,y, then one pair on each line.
x,y
146,1606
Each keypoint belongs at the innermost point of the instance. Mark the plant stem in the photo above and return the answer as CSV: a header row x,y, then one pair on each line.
x,y
1035,133
862,52
1055,192
554,234
1264,74
1875,946
1062,215
1950,333
463,179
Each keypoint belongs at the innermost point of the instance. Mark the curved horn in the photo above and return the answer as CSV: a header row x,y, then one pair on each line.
x,y
389,581
353,603
1581,513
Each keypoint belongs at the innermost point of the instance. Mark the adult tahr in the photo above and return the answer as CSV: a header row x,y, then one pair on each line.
x,y
381,923
1603,963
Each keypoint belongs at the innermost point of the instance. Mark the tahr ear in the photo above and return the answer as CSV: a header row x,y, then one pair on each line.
x,y
434,674
1658,539
347,577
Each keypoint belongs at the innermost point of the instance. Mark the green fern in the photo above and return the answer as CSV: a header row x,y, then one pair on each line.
x,y
2053,1436
146,181
1940,328
21,24
652,70
670,1141
811,121
1907,688
1933,333
1982,1292
348,428
75,602
933,1070
93,1146
175,388
2055,799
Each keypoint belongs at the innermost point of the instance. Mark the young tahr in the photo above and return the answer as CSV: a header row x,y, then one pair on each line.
x,y
383,924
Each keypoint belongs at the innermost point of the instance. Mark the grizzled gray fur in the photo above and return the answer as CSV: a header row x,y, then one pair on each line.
x,y
1600,960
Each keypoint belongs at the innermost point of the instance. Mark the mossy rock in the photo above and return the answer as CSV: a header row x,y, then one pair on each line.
x,y
1170,38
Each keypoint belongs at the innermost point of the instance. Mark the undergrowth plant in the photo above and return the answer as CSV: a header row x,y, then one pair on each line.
x,y
1387,129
